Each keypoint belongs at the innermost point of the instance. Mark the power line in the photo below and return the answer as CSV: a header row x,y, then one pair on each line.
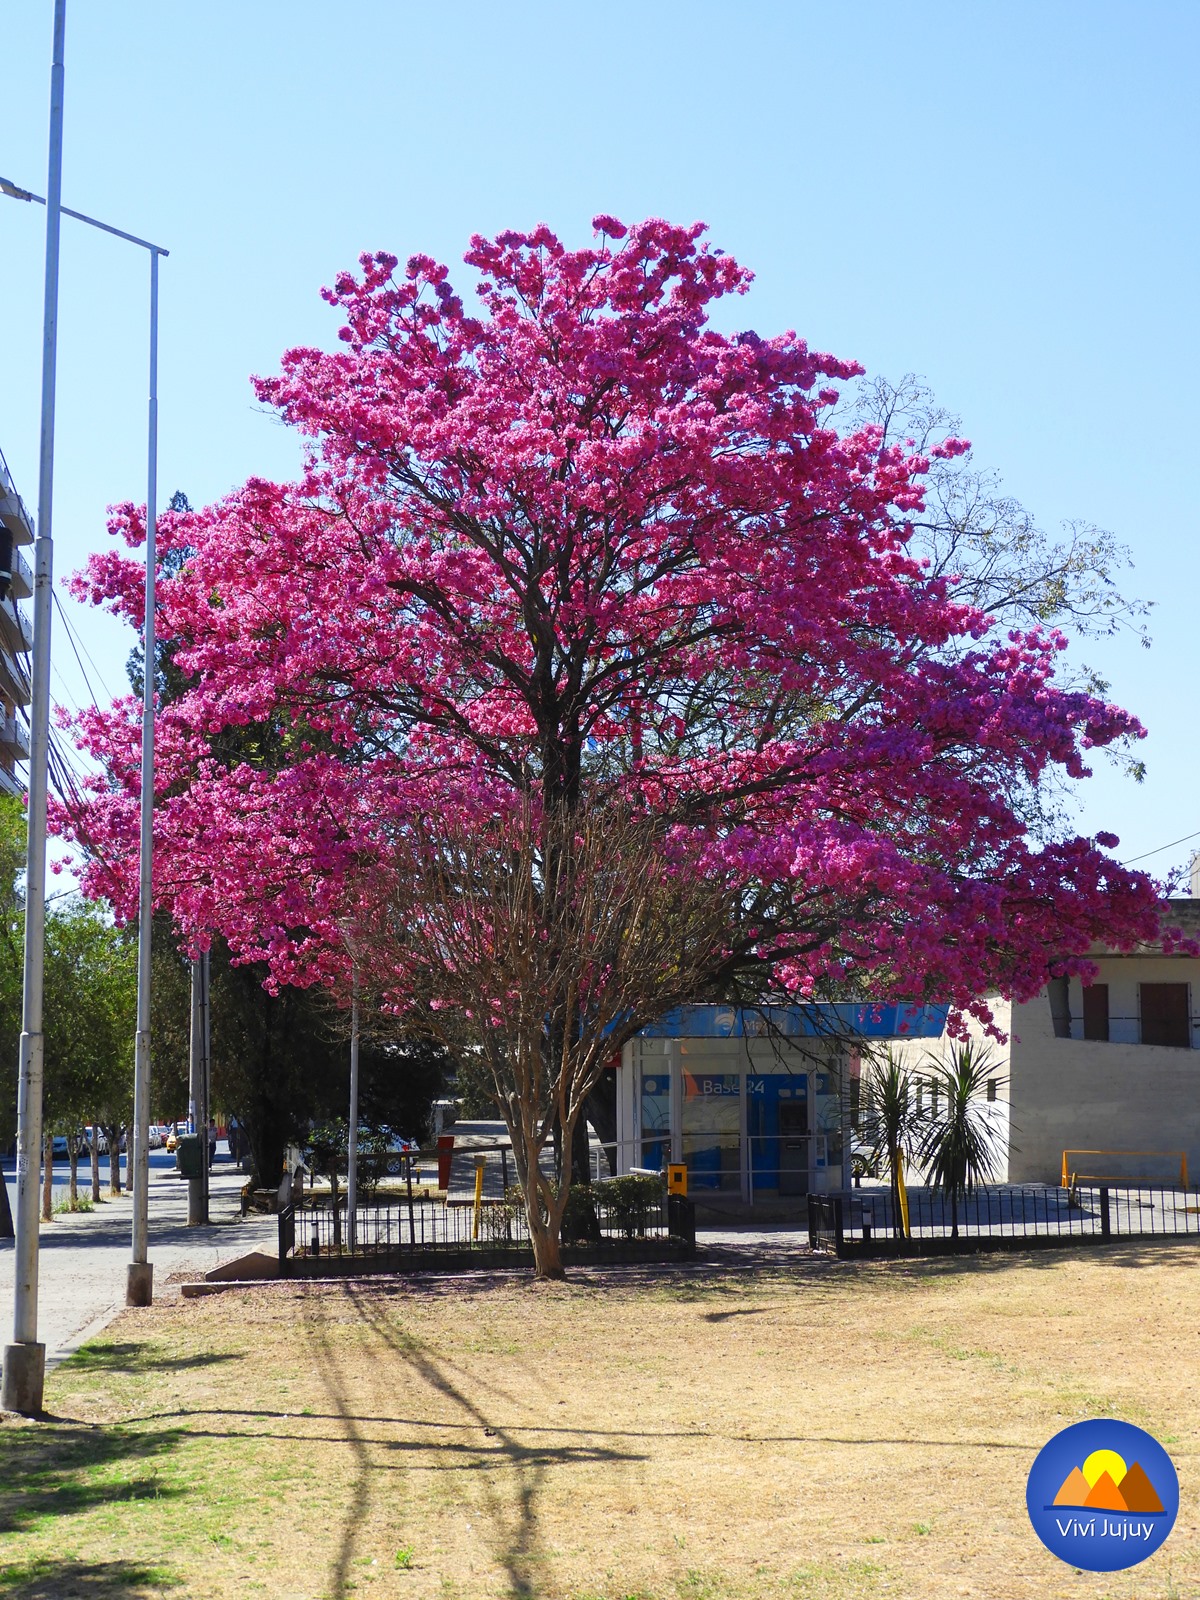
x,y
1159,850
77,644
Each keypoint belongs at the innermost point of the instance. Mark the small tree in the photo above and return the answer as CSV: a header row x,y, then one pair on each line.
x,y
892,1121
544,943
90,1010
960,1143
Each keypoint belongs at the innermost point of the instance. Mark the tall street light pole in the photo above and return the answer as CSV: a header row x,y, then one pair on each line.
x,y
140,1273
22,1386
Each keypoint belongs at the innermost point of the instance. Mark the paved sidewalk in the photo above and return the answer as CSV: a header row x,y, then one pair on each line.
x,y
81,1280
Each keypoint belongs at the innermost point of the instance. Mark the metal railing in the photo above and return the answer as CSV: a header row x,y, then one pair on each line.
x,y
866,1221
390,1235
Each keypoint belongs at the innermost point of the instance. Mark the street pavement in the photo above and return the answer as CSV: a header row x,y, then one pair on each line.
x,y
81,1279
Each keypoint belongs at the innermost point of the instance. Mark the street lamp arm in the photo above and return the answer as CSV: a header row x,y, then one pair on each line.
x,y
15,192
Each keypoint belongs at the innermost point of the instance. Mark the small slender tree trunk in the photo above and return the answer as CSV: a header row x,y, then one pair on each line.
x,y
547,1249
73,1154
94,1143
114,1160
47,1177
545,1230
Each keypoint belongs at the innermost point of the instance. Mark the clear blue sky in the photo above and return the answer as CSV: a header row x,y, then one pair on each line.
x,y
1001,198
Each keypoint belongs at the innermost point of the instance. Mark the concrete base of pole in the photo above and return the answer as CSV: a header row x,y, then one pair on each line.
x,y
24,1379
139,1283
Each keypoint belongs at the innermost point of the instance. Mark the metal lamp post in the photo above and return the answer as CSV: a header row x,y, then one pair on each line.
x,y
25,1358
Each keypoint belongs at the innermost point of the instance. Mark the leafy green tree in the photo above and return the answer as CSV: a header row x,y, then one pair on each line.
x,y
12,939
280,1062
90,1013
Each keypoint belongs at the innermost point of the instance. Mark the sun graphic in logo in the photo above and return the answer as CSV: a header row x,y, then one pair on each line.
x,y
1100,1462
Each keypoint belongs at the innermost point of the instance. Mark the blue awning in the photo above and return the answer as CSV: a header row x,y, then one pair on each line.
x,y
837,1019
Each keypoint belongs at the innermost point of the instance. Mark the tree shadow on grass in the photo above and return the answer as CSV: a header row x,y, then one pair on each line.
x,y
84,1580
131,1357
54,1469
516,1470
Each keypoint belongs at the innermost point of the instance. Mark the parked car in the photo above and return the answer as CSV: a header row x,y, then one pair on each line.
x,y
60,1147
383,1150
100,1137
174,1137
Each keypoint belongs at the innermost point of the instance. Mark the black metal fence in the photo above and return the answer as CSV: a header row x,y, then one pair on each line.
x,y
400,1236
866,1222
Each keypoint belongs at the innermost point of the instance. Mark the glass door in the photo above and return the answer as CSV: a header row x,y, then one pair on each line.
x,y
779,1129
712,1130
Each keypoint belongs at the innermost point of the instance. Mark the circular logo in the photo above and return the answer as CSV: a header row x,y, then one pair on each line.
x,y
1102,1495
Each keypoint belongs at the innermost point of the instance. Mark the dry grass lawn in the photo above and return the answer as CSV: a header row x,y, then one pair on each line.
x,y
818,1431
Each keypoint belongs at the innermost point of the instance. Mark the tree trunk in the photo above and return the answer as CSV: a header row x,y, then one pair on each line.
x,y
47,1177
95,1152
547,1250
544,1231
73,1156
114,1160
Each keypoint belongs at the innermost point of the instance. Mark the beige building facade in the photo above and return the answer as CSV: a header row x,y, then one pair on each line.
x,y
1108,1072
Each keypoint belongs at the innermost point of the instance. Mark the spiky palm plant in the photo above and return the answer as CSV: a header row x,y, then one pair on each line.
x,y
891,1119
960,1144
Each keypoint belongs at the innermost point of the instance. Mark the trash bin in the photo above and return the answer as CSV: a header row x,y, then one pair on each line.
x,y
189,1156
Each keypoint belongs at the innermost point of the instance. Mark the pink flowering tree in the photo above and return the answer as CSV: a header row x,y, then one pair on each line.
x,y
569,551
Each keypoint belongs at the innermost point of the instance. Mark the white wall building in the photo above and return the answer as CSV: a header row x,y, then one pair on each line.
x,y
1108,1072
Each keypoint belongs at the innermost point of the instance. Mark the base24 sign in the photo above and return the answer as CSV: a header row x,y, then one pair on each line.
x,y
1102,1495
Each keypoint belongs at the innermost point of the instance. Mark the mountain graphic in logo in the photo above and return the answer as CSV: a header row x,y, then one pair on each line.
x,y
1105,1483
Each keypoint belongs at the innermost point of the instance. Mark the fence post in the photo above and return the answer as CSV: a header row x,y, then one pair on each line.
x,y
287,1237
1105,1214
681,1220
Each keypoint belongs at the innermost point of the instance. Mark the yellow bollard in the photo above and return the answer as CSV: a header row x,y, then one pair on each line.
x,y
902,1194
478,1195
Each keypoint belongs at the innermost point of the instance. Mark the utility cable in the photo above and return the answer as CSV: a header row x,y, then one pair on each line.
x,y
1160,848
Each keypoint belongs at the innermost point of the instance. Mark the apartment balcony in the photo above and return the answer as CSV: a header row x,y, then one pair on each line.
x,y
14,680
10,783
14,739
14,516
16,635
16,569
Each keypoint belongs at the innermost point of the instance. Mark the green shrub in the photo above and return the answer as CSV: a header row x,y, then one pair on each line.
x,y
632,1203
580,1224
